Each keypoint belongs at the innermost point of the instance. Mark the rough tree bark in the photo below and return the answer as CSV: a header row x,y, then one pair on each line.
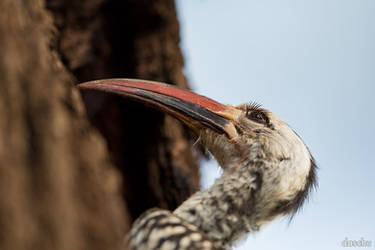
x,y
76,180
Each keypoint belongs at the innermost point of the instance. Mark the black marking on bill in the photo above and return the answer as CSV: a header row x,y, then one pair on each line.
x,y
191,110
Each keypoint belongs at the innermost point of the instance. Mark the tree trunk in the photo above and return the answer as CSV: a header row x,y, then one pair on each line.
x,y
74,173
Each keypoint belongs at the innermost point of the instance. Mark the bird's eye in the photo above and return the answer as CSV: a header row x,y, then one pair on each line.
x,y
257,116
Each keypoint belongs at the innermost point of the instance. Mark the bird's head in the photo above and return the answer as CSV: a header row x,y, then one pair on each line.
x,y
238,137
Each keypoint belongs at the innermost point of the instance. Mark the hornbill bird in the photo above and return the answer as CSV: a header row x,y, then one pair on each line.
x,y
267,170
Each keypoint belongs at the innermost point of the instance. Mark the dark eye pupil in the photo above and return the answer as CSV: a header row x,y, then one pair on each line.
x,y
258,116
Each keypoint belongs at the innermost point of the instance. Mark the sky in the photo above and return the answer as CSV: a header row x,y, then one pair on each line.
x,y
312,63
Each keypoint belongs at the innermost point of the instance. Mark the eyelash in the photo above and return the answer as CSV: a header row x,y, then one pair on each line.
x,y
252,106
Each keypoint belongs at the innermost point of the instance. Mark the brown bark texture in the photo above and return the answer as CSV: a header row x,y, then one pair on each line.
x,y
77,168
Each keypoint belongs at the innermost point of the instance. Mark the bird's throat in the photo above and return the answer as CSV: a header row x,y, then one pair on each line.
x,y
226,211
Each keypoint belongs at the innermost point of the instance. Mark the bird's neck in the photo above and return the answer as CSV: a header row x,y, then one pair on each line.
x,y
228,210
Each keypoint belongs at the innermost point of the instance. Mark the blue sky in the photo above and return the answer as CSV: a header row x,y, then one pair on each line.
x,y
313,64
